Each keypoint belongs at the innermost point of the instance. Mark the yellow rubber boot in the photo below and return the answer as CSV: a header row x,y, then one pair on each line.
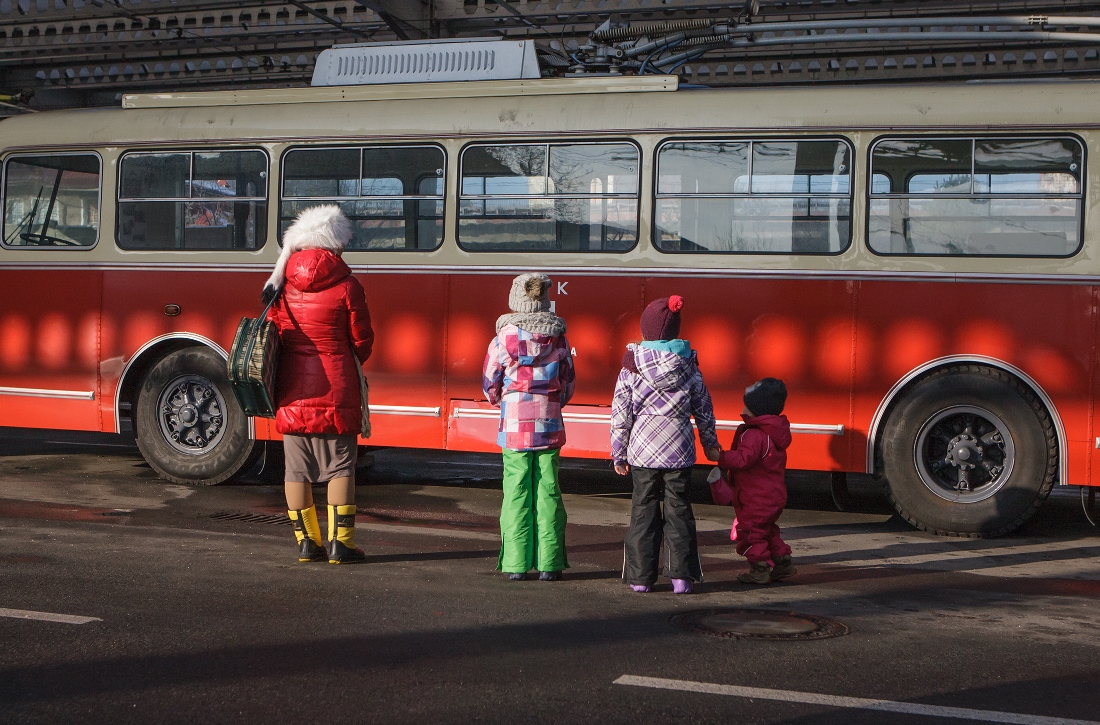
x,y
341,536
308,534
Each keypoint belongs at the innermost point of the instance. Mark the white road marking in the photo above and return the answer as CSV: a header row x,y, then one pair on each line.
x,y
857,703
46,616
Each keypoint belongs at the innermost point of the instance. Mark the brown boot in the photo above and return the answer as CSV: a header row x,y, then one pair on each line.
x,y
759,573
783,568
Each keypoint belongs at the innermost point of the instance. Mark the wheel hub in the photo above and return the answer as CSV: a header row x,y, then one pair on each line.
x,y
188,415
964,454
191,414
964,451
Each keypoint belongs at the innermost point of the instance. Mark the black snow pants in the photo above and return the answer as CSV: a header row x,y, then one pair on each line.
x,y
648,523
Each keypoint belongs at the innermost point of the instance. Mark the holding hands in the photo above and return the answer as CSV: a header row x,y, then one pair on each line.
x,y
713,453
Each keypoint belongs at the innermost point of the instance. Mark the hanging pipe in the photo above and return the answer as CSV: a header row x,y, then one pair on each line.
x,y
1010,37
637,30
862,37
682,57
1030,20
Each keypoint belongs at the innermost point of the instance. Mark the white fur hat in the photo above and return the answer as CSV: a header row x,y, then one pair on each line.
x,y
318,227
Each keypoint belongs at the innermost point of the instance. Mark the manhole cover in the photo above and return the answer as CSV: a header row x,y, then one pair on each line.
x,y
758,624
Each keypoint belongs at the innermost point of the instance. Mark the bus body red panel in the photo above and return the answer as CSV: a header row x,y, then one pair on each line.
x,y
49,342
405,370
1045,330
840,346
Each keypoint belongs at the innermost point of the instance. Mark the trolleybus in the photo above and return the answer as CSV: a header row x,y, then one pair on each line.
x,y
920,264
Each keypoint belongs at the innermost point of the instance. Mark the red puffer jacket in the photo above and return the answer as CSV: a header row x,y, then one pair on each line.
x,y
321,315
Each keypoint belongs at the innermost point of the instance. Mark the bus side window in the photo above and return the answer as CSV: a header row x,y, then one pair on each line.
x,y
51,201
195,200
753,197
393,195
1014,197
575,197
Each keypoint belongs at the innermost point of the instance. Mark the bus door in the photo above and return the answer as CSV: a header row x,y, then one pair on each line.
x,y
49,305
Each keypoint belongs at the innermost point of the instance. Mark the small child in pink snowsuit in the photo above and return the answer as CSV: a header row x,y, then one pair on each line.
x,y
756,464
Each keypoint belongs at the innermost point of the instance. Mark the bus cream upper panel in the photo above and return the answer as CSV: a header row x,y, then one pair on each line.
x,y
859,113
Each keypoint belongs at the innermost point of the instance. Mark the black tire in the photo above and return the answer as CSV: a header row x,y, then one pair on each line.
x,y
923,442
190,386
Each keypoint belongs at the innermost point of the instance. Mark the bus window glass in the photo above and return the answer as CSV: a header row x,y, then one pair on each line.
x,y
228,174
500,170
754,197
320,173
51,201
703,168
155,176
1027,166
1021,197
193,200
393,196
880,184
594,169
926,166
799,168
584,199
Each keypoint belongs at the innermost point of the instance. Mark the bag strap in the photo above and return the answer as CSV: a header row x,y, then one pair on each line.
x,y
263,315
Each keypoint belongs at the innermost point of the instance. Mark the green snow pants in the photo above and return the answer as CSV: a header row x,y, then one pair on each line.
x,y
532,516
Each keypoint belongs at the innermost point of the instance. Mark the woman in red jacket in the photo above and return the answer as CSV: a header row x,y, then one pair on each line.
x,y
324,335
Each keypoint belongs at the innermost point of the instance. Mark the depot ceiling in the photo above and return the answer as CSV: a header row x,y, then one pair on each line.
x,y
66,53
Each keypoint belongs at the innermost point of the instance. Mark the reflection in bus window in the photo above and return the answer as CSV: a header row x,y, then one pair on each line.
x,y
194,200
51,201
393,196
549,197
753,197
985,197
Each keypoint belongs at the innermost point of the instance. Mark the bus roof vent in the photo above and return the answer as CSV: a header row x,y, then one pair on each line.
x,y
426,62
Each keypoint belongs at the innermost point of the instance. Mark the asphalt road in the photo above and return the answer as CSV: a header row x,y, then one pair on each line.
x,y
202,613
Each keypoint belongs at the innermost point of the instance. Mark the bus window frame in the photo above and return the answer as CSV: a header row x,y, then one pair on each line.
x,y
974,137
99,199
749,139
191,151
587,141
336,200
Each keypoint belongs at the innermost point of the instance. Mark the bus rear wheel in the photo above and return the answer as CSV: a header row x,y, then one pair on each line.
x,y
189,426
969,451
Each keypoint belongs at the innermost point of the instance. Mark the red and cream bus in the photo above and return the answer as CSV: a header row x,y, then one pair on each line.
x,y
920,264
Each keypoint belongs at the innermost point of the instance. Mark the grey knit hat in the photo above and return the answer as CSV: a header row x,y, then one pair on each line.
x,y
530,293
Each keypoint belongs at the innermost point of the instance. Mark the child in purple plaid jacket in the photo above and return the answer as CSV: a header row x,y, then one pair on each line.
x,y
658,392
529,375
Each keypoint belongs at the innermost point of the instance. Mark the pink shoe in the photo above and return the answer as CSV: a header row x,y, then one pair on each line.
x,y
640,588
681,586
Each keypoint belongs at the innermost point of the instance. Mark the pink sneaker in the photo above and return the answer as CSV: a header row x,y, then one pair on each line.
x,y
681,586
640,588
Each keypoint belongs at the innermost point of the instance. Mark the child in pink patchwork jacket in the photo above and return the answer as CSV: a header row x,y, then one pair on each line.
x,y
529,374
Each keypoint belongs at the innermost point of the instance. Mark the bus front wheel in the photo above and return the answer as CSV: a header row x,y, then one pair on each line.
x,y
189,426
969,451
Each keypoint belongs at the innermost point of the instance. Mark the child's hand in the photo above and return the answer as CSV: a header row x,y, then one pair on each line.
x,y
622,469
712,453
